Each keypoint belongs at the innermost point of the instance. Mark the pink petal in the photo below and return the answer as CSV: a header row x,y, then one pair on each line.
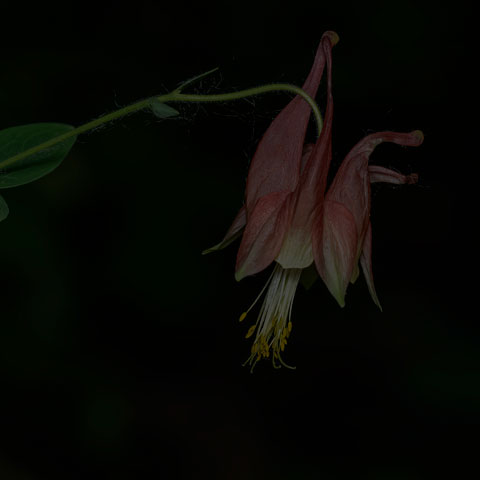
x,y
314,173
360,153
307,150
296,251
380,174
351,185
351,188
264,233
276,163
233,232
345,229
358,156
334,248
366,262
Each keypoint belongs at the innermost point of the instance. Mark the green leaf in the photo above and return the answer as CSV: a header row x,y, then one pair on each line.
x,y
17,167
162,110
3,209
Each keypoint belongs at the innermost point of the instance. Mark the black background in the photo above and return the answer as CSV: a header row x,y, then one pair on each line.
x,y
120,349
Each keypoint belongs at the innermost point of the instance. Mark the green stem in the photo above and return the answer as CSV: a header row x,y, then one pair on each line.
x,y
175,96
76,131
225,97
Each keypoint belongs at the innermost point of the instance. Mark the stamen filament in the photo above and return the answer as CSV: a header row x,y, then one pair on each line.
x,y
244,314
274,319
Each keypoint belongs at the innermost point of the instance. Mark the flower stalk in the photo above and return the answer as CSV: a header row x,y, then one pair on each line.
x,y
174,96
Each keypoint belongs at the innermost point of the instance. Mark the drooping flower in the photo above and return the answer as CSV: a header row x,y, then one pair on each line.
x,y
343,234
282,218
285,185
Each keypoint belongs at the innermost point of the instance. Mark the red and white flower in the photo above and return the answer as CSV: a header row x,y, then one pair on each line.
x,y
287,219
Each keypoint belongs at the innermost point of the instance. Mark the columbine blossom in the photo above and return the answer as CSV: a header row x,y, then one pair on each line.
x,y
343,234
285,181
283,219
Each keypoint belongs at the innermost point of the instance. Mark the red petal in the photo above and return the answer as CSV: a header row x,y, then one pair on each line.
x,y
335,248
380,174
264,233
351,185
233,232
351,190
366,262
314,173
311,189
276,163
362,150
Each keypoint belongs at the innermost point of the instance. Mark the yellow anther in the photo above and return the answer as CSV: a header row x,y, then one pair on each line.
x,y
289,327
250,331
263,348
242,317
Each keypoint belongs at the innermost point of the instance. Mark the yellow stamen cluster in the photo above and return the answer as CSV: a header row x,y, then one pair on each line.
x,y
285,334
276,339
273,325
260,349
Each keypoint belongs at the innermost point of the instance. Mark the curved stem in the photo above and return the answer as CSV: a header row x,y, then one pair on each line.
x,y
175,96
249,92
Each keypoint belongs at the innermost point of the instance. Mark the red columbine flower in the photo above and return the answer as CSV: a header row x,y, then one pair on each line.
x,y
285,186
282,218
343,234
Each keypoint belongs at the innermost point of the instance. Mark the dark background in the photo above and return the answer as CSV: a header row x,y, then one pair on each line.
x,y
120,349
